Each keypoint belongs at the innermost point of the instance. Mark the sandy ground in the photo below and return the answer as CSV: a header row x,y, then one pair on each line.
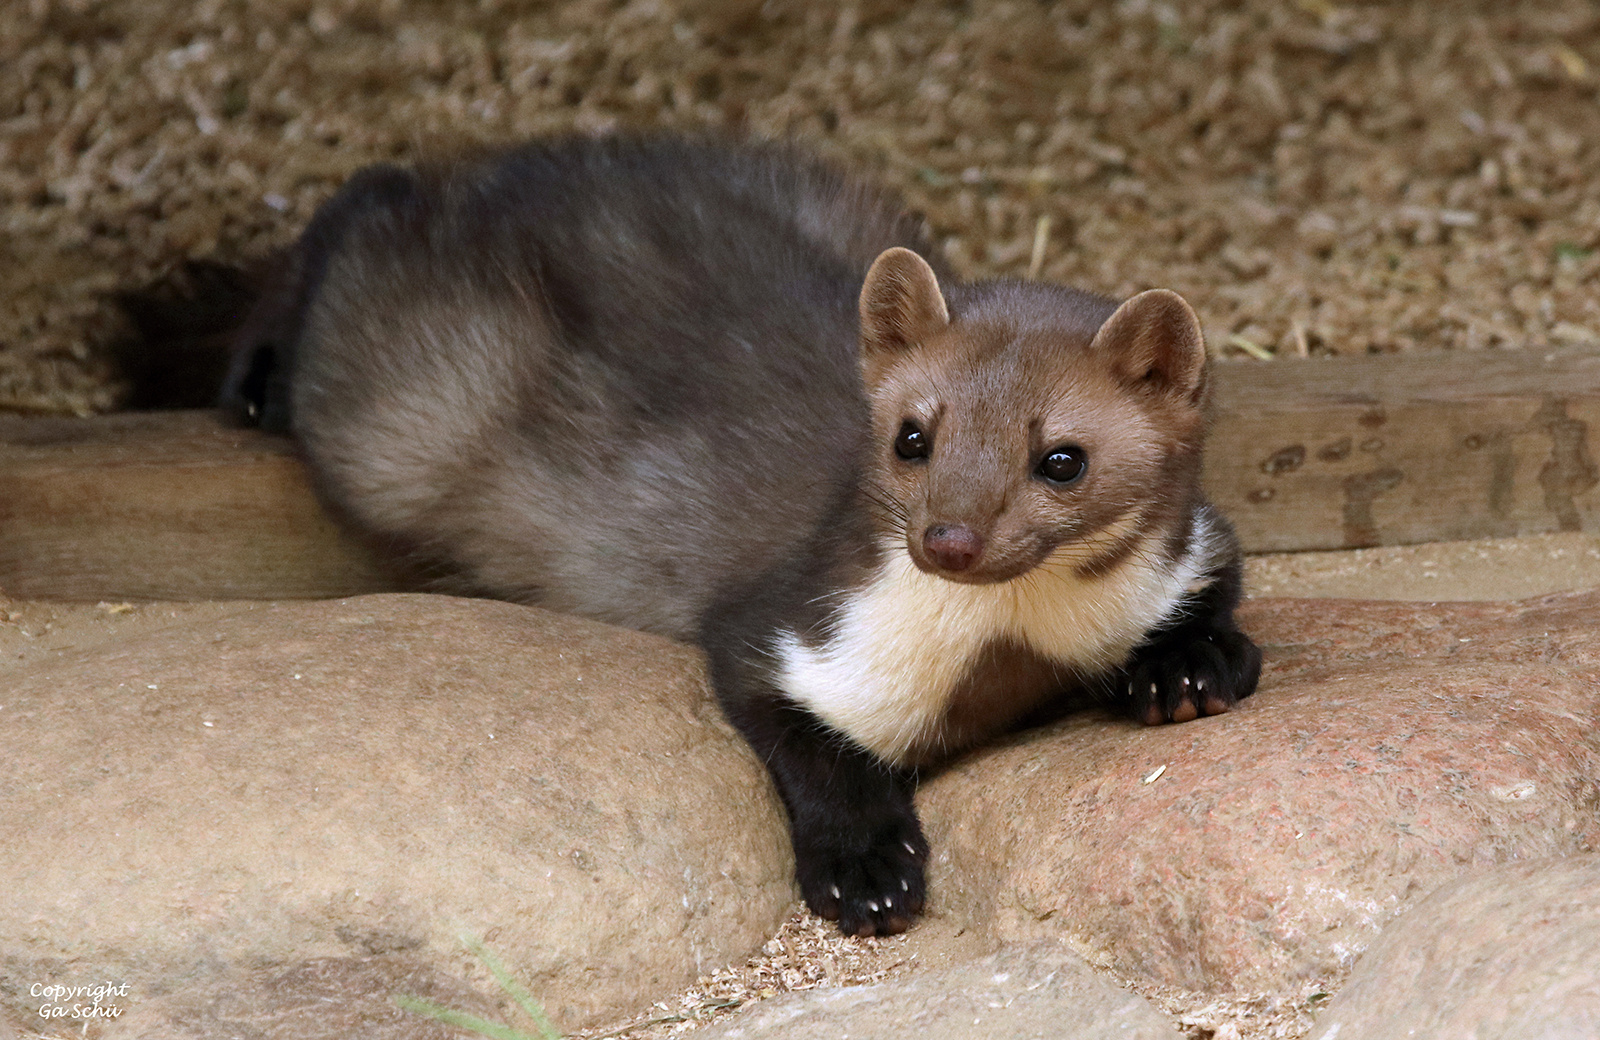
x,y
1501,568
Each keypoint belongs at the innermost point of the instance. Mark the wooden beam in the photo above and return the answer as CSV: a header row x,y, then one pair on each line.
x,y
164,505
1303,455
1400,449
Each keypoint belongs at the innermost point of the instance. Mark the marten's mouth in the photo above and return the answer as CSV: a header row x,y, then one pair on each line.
x,y
966,557
981,563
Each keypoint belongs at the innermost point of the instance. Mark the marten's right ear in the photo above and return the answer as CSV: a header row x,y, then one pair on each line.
x,y
901,306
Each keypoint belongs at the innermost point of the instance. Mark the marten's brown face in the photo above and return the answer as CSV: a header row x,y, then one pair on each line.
x,y
998,448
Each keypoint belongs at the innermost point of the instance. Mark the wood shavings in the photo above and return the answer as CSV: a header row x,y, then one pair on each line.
x,y
1315,177
807,953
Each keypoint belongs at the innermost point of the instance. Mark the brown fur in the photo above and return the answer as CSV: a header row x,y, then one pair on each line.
x,y
995,389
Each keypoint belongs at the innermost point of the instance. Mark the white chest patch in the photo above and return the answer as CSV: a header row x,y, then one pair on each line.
x,y
904,641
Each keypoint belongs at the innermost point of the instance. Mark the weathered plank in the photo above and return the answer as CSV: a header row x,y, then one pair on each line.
x,y
164,505
1303,455
1401,449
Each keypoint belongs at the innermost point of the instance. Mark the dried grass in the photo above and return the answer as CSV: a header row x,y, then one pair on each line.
x,y
1316,177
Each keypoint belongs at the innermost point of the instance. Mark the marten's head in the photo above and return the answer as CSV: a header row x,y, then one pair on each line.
x,y
1018,423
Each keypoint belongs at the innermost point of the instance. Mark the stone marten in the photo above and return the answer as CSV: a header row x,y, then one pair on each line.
x,y
728,394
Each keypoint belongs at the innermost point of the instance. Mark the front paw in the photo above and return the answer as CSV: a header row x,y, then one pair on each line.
x,y
1191,671
871,887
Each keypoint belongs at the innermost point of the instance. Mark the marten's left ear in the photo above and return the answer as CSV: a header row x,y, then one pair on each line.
x,y
901,306
1154,341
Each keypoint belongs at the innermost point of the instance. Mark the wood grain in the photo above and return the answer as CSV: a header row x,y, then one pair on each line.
x,y
1303,455
1400,449
164,505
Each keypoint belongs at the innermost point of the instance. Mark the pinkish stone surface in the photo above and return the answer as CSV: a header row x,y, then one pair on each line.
x,y
1391,748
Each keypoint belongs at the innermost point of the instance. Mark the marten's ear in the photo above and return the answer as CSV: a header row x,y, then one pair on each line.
x,y
1154,341
901,306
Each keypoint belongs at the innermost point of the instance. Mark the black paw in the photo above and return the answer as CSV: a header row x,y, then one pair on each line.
x,y
877,889
1191,671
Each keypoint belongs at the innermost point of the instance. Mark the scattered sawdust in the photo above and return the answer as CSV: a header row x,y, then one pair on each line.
x,y
1258,1016
1317,177
807,953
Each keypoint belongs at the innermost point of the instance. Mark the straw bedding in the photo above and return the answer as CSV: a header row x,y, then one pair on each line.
x,y
1315,177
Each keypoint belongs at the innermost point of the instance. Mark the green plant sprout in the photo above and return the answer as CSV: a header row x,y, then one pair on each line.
x,y
483,1026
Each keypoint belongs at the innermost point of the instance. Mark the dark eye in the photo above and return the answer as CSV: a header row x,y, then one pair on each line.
x,y
1063,465
911,443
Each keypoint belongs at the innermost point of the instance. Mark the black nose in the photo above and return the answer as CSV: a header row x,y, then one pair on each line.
x,y
952,547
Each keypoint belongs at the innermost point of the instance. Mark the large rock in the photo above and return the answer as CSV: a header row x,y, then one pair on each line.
x,y
251,787
1037,991
1511,953
1391,748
